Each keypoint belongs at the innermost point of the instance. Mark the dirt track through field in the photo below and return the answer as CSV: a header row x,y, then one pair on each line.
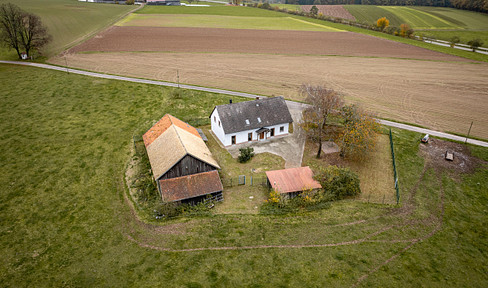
x,y
163,39
431,225
439,95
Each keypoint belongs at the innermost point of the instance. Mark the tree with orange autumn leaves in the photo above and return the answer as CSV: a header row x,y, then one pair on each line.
x,y
382,23
358,136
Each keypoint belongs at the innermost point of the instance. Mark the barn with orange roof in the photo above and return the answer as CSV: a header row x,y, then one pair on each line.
x,y
182,165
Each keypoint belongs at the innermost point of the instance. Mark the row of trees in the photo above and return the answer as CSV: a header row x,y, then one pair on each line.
x,y
474,5
21,30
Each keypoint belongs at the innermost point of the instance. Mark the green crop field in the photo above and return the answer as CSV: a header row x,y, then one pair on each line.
x,y
64,220
213,10
219,21
290,7
69,21
437,22
421,17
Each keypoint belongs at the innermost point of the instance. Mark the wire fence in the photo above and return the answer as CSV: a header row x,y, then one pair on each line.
x,y
395,175
244,180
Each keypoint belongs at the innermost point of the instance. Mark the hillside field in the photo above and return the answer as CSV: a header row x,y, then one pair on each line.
x,y
68,21
65,220
429,21
421,18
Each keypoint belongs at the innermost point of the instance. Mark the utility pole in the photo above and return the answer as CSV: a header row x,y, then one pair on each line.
x,y
178,77
66,62
469,131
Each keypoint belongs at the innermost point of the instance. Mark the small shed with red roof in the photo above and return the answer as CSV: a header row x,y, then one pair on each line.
x,y
292,181
181,162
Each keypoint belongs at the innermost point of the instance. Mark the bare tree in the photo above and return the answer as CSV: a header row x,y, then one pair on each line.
x,y
323,102
22,30
33,34
10,20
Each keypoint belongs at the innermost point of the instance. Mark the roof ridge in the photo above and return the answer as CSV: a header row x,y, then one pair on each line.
x,y
179,138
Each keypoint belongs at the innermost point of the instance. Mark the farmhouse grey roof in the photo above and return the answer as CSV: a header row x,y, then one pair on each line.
x,y
255,114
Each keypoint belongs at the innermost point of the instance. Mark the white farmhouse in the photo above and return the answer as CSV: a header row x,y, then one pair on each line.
x,y
257,120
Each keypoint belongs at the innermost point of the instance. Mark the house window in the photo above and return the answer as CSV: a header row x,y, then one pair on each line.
x,y
247,122
219,123
215,119
233,140
259,120
282,129
249,136
272,132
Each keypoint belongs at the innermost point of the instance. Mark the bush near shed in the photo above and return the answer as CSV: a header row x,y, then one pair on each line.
x,y
340,182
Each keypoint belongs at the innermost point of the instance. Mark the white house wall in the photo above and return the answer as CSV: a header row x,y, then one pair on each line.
x,y
242,137
216,128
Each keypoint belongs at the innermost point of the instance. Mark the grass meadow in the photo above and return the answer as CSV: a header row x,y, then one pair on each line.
x,y
464,36
219,21
64,220
68,21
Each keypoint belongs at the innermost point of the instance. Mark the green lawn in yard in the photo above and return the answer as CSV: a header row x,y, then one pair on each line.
x,y
64,220
218,21
248,198
69,21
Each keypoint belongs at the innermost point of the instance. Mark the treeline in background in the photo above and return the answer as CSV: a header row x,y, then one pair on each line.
x,y
474,5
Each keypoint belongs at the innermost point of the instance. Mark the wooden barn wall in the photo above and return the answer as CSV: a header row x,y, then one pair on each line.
x,y
187,166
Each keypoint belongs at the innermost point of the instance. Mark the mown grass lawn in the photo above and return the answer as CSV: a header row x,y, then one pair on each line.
x,y
64,220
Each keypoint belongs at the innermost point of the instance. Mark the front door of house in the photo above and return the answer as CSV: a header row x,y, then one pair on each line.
x,y
261,135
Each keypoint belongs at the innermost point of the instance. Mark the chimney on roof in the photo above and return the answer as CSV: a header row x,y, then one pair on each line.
x,y
230,101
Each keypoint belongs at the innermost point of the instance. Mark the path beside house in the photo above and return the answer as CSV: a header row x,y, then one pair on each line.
x,y
288,147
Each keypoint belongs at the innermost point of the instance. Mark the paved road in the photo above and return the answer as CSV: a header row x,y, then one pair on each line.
x,y
240,94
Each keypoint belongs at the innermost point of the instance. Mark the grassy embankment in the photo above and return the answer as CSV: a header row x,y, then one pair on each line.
x,y
437,22
68,21
64,221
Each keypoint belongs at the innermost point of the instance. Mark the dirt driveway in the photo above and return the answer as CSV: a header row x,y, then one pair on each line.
x,y
288,147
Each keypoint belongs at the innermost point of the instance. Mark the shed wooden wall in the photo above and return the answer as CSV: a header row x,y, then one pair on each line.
x,y
187,166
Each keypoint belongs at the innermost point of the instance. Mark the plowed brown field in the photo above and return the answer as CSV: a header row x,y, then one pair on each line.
x,y
337,11
441,95
118,39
